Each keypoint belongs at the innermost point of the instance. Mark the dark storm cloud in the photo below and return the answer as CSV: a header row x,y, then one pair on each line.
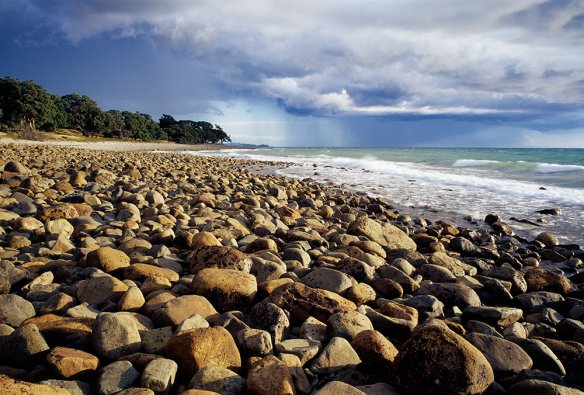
x,y
489,61
414,56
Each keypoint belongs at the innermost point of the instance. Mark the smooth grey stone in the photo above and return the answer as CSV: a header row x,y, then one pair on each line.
x,y
159,375
117,376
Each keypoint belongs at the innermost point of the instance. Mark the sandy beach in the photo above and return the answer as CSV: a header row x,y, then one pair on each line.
x,y
154,272
119,146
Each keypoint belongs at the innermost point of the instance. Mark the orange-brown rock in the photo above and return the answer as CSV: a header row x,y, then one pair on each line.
x,y
83,209
545,280
398,310
97,290
226,289
196,348
269,376
437,360
69,362
303,301
63,330
65,210
202,239
141,271
176,310
374,349
218,257
10,386
108,259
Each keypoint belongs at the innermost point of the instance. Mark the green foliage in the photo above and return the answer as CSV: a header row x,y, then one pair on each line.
x,y
84,114
28,106
114,124
192,132
25,103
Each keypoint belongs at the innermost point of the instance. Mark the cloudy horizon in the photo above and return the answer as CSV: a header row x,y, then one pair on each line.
x,y
372,73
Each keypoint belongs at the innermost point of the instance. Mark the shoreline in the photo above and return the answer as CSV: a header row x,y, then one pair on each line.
x,y
152,264
121,146
526,223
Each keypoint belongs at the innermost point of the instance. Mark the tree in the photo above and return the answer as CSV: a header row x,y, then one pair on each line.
x,y
114,124
166,121
25,103
192,132
83,114
60,116
141,126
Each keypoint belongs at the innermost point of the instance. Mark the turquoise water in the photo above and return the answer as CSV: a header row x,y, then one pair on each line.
x,y
456,182
560,167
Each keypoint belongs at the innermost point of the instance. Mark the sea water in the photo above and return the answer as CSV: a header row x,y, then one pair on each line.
x,y
454,183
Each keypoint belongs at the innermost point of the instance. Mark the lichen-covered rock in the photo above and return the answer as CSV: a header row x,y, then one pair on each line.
x,y
374,349
437,360
269,317
65,211
218,257
226,289
303,301
539,279
269,376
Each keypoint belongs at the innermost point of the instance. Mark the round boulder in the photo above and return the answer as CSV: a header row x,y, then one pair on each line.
x,y
437,360
226,289
196,348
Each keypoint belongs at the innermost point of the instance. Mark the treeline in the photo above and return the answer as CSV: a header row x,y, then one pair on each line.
x,y
26,105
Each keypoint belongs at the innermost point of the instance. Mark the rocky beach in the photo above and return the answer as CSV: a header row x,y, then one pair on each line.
x,y
124,271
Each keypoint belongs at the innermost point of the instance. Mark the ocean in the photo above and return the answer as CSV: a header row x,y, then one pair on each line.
x,y
459,184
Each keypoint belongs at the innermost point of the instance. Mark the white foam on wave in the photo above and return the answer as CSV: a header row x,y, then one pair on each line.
x,y
349,170
547,168
473,162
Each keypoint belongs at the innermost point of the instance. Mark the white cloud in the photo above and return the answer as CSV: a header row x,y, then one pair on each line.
x,y
366,57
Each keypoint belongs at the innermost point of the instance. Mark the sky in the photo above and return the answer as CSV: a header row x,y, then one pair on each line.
x,y
492,73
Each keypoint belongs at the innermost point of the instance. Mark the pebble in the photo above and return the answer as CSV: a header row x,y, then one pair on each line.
x,y
15,309
116,335
159,375
196,348
452,364
338,354
348,324
269,376
254,341
116,377
139,274
69,362
226,289
328,279
218,380
505,357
